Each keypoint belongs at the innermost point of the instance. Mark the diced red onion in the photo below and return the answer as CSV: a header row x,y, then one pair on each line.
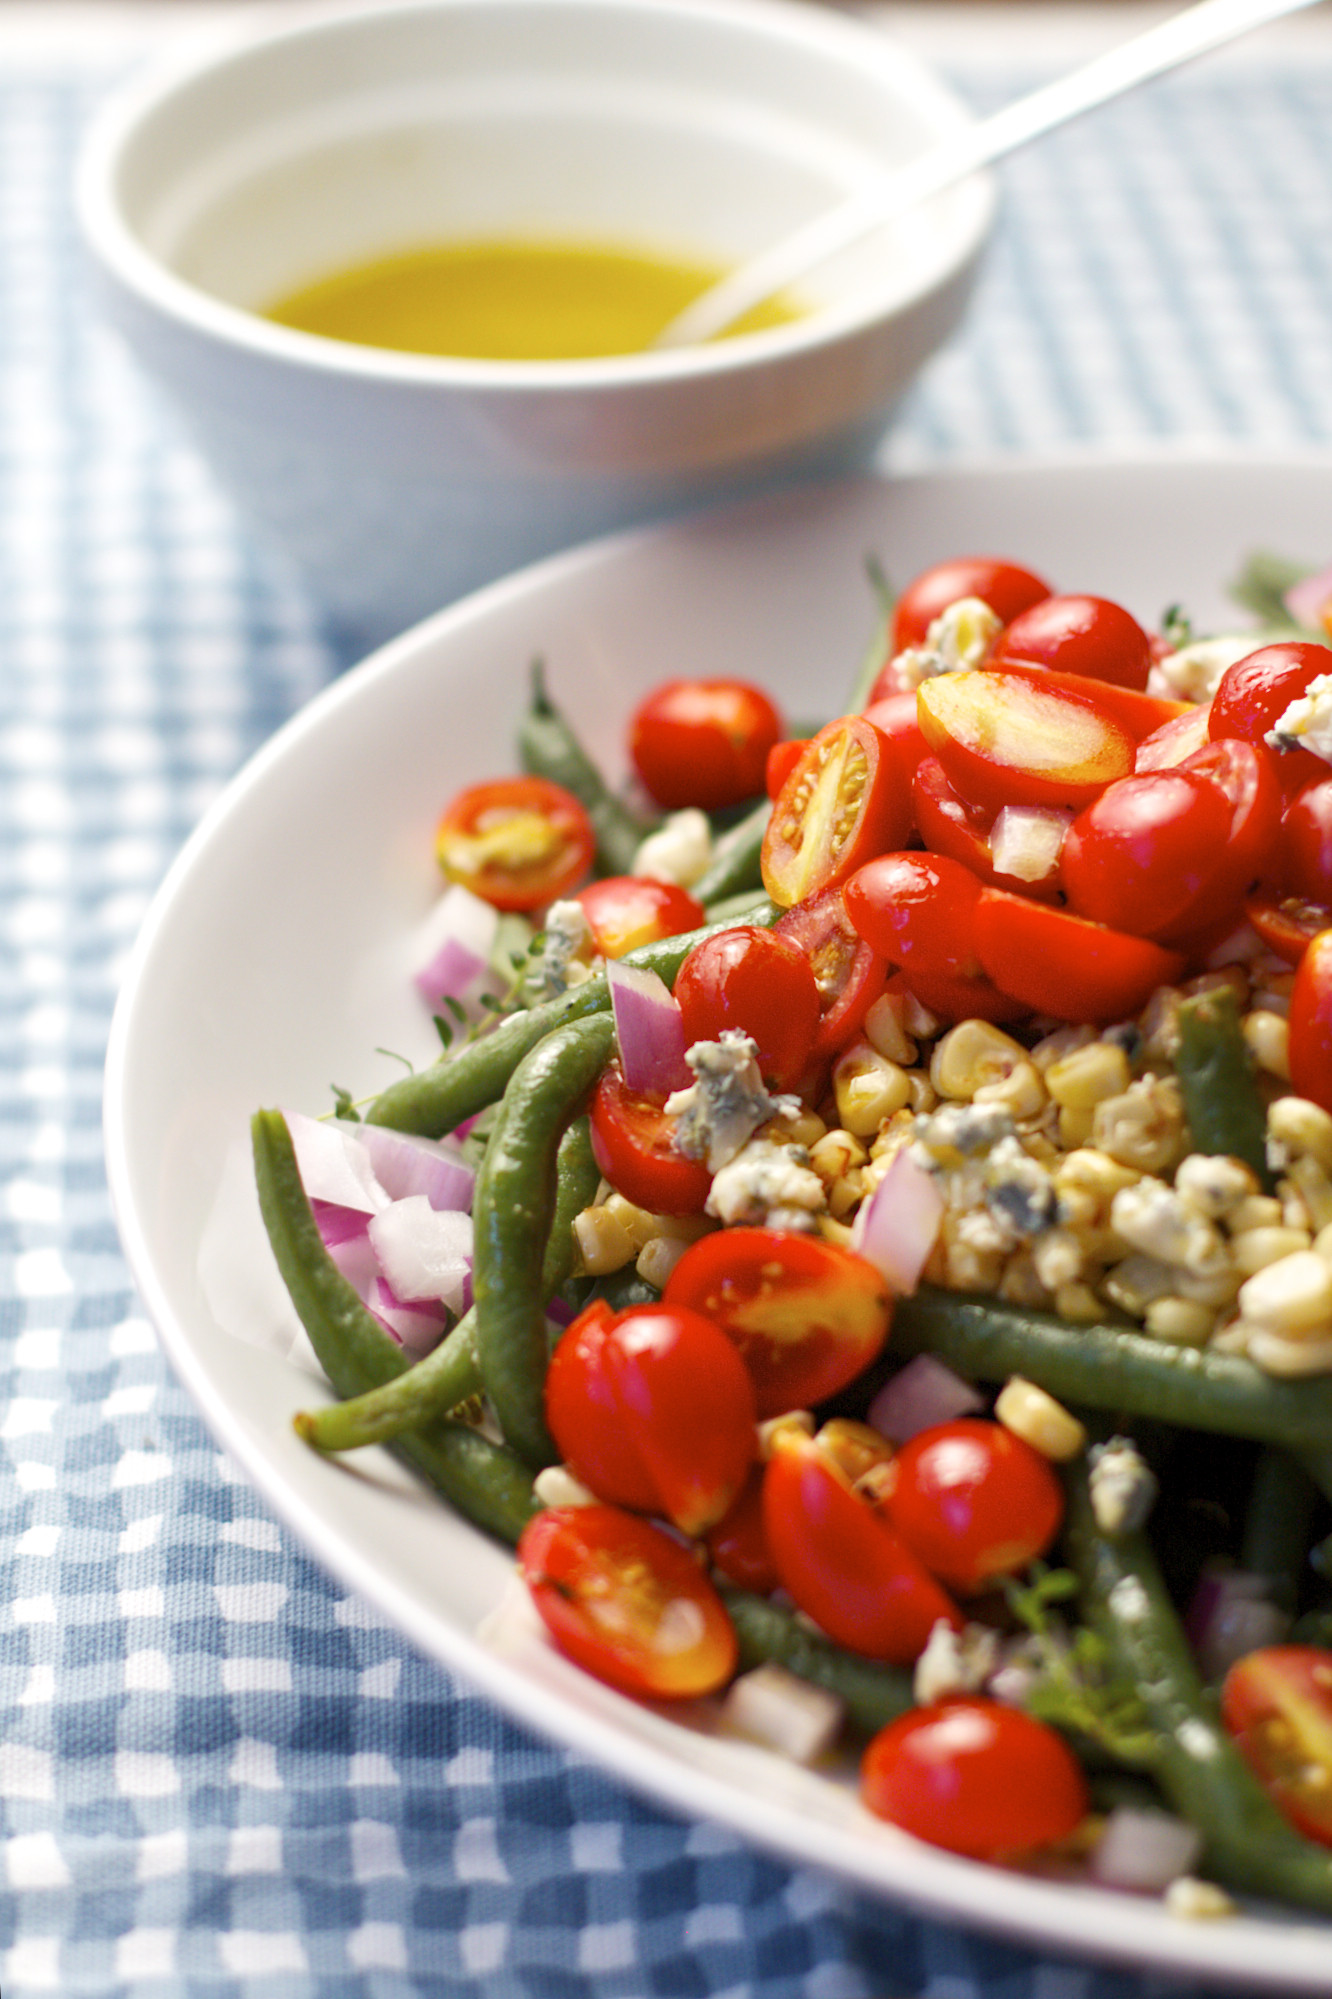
x,y
1231,1613
355,1258
337,1225
333,1163
404,1165
452,947
1026,841
419,1327
424,1252
1307,599
649,1028
918,1396
1144,1850
898,1226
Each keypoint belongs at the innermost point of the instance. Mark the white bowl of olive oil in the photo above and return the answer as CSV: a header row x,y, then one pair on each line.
x,y
400,266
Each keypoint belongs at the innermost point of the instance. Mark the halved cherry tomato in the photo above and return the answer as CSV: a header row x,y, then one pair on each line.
x,y
951,998
805,1315
624,911
839,1558
737,1545
623,1404
848,974
1311,1023
1277,1704
1168,745
945,821
974,1501
1305,843
1060,964
1246,774
760,983
844,801
1287,924
896,717
1005,586
634,1143
918,911
1089,636
703,742
976,1778
517,842
1142,855
1008,739
627,1602
782,760
1253,694
1140,715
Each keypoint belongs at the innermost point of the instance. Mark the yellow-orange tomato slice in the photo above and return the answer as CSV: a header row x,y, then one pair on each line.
x,y
1007,739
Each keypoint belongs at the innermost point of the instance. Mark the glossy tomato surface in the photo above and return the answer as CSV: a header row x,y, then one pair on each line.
x,y
848,975
516,842
1064,965
975,1777
1305,846
624,911
1277,1704
704,742
1140,857
918,910
1008,739
758,983
1005,586
1311,1023
626,1602
806,1316
1089,636
845,800
975,1502
1253,694
737,1545
635,1146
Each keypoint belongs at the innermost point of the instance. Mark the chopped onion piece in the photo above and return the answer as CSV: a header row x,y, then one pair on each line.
x,y
424,1252
649,1028
918,1396
1144,1850
337,1224
772,1706
333,1163
1026,841
355,1258
897,1227
404,1164
1232,1613
418,1327
453,946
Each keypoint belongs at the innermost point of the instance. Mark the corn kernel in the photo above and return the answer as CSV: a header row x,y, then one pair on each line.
x,y
1054,1047
971,1055
1254,1249
924,1096
1075,1127
1289,1358
846,1194
1088,1075
835,1154
1256,1211
1267,1036
1144,1127
1078,1302
1182,1321
1039,1420
868,1089
779,1429
1095,1174
805,1129
637,1223
604,1244
1314,1187
885,1029
658,1258
1214,1184
1301,1128
1290,1297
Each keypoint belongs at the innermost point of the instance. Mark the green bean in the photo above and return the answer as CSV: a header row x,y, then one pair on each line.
x,y
486,1482
548,747
734,867
1248,1844
1116,1368
468,1079
873,1694
1278,1524
879,650
512,1208
1218,1081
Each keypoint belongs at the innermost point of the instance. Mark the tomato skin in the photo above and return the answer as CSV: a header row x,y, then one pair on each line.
x,y
703,742
1009,739
737,1546
896,717
975,1502
1006,587
1277,1704
976,1778
624,911
844,801
848,975
608,1587
1311,1023
623,1404
1063,965
782,760
841,1561
952,998
517,842
1287,924
1305,843
918,911
1142,855
1090,636
806,1316
1247,774
1253,694
760,983
1169,745
1140,715
634,1144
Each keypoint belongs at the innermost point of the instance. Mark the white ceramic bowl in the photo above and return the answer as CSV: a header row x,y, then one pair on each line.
x,y
703,127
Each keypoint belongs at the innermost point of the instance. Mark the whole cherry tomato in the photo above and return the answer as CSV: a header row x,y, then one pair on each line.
x,y
806,1316
1141,856
760,983
1277,1704
782,760
1253,694
1061,964
975,1777
1005,586
703,742
634,1143
1090,636
1305,843
1311,1023
517,842
848,974
838,1556
1008,739
624,1404
624,911
844,801
918,911
975,1502
627,1602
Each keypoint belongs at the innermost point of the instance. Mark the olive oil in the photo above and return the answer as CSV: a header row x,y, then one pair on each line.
x,y
510,300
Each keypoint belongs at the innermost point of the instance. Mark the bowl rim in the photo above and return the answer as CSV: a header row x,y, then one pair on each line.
x,y
123,257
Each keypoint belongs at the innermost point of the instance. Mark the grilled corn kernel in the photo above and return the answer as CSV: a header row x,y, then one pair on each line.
x,y
1214,1184
972,1055
1254,1249
770,1433
1314,1186
604,1244
1279,1354
1182,1321
885,1029
1078,1302
1088,1075
1301,1128
1039,1420
637,1223
1054,1047
1256,1211
924,1096
835,1154
805,1129
1267,1036
1096,1175
868,1089
658,1258
834,1231
1075,1127
1144,1127
1290,1297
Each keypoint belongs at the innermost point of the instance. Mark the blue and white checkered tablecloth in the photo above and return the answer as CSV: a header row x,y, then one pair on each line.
x,y
219,1775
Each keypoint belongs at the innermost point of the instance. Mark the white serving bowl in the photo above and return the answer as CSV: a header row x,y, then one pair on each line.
x,y
703,128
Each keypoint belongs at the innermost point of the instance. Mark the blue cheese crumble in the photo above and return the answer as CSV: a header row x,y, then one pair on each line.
x,y
566,954
1307,722
767,1186
728,1101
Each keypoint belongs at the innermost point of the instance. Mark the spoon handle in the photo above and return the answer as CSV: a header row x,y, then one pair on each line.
x,y
1206,25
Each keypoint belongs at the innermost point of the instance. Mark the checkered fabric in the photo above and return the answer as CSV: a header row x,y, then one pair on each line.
x,y
218,1774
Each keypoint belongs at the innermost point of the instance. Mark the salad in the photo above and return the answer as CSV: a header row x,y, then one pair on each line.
x,y
867,1238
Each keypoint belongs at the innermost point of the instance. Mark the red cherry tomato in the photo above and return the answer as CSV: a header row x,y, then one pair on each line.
x,y
1169,745
1090,636
975,1777
848,974
1060,964
896,717
975,1502
1311,1023
1253,694
737,1546
1277,1704
703,742
806,1316
624,911
634,1144
517,842
1005,586
760,983
844,801
952,998
945,821
624,1404
918,911
839,1558
627,1603
782,760
1008,739
1142,855
1287,924
1305,843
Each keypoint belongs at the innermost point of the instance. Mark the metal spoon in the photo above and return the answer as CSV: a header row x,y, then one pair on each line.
x,y
1203,26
